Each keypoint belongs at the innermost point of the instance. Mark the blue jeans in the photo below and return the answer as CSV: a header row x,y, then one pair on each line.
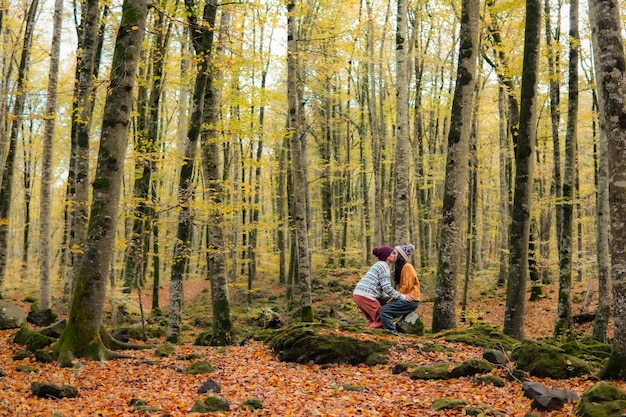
x,y
395,309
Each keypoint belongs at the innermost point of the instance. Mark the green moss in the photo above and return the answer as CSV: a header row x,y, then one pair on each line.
x,y
200,367
483,336
615,367
547,361
437,371
166,349
301,343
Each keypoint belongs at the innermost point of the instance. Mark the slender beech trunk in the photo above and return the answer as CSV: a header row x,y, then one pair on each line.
x,y
524,163
77,197
6,192
216,243
554,74
46,160
455,188
566,258
296,136
601,321
400,232
202,40
610,62
81,336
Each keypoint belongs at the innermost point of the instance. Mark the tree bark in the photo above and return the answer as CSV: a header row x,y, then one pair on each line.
x,y
6,192
77,197
610,63
216,244
81,336
202,34
455,188
296,134
401,196
524,162
564,313
46,160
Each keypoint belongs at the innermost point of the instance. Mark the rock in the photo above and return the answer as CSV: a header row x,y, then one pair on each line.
x,y
411,324
211,404
41,318
121,334
470,367
494,356
301,343
199,367
209,386
603,399
44,390
437,371
533,389
547,399
252,404
11,316
548,361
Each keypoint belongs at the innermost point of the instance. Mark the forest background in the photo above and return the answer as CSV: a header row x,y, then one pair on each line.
x,y
344,188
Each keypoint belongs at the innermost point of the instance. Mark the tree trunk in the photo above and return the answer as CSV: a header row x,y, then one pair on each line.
x,y
608,47
46,160
601,321
77,197
296,136
202,39
554,73
401,161
505,189
6,192
146,147
216,244
524,162
564,313
455,188
81,337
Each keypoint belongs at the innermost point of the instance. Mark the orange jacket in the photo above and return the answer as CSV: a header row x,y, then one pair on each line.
x,y
409,284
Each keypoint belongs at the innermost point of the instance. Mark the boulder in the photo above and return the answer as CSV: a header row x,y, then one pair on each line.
x,y
411,324
603,399
41,318
44,390
11,316
548,361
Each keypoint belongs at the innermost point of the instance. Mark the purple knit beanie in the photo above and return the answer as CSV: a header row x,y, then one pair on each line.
x,y
405,251
382,252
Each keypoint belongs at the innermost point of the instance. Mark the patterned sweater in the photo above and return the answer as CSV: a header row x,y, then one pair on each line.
x,y
376,283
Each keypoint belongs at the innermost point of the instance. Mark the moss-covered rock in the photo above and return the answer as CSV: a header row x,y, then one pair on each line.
x,y
44,390
495,356
211,404
166,349
483,336
470,367
252,404
602,400
411,324
301,343
437,371
547,361
494,380
200,367
447,404
590,351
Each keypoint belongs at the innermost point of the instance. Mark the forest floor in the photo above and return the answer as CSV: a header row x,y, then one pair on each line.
x,y
286,389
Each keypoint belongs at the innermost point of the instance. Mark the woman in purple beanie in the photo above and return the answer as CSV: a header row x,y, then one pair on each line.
x,y
375,287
